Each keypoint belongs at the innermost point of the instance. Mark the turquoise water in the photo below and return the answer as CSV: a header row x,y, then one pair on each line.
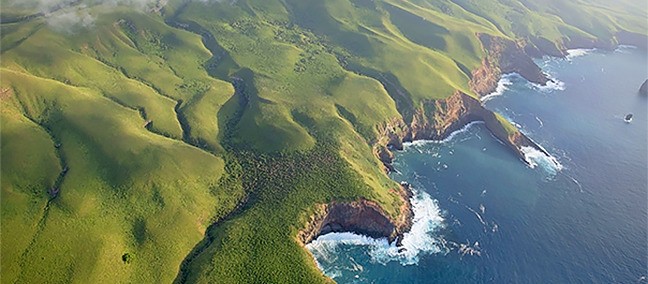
x,y
484,216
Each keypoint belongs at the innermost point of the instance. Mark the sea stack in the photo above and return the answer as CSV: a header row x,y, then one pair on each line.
x,y
644,88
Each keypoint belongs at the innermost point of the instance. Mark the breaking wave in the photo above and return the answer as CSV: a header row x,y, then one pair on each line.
x,y
578,52
502,86
625,48
452,135
419,240
535,158
552,85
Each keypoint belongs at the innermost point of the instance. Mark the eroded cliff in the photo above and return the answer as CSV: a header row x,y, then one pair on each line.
x,y
436,119
505,56
362,216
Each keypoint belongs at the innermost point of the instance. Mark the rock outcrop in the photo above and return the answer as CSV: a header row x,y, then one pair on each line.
x,y
643,90
361,217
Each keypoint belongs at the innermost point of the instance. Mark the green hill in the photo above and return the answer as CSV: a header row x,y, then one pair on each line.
x,y
192,143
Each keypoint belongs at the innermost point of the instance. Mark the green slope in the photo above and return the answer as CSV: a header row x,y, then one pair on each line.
x,y
193,144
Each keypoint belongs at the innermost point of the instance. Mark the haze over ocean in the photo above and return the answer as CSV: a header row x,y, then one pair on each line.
x,y
483,216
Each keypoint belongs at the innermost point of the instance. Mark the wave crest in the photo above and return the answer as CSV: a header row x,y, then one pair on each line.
x,y
578,52
502,86
419,240
552,85
535,158
452,135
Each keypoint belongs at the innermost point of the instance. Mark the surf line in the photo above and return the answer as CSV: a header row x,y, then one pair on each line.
x,y
419,240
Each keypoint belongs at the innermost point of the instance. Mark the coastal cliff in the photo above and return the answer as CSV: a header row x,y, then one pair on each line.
x,y
505,56
363,217
437,119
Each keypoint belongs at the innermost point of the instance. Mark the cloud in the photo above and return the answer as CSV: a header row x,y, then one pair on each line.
x,y
70,15
50,6
67,20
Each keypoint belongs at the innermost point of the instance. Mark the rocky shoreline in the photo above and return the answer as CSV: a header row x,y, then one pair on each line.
x,y
363,217
437,119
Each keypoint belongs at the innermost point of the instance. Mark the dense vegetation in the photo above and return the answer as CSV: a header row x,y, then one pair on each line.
x,y
192,142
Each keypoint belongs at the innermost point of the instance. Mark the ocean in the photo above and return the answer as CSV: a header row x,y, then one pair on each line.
x,y
482,215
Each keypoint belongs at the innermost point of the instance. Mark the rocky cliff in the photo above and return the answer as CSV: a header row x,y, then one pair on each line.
x,y
361,217
436,119
505,56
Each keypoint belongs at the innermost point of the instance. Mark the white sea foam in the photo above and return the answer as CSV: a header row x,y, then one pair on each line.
x,y
552,85
417,143
419,240
624,48
502,86
481,220
580,187
535,158
578,52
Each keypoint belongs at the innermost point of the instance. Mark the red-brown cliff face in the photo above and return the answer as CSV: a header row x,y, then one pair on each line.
x,y
436,119
361,217
505,56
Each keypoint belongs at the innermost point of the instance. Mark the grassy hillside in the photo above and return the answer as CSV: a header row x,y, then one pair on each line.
x,y
191,144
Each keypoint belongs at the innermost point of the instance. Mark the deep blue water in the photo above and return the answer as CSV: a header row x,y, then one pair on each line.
x,y
584,221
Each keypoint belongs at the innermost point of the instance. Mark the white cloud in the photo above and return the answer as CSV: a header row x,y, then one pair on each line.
x,y
68,19
68,15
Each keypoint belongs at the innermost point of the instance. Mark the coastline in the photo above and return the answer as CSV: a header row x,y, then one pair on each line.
x,y
451,116
362,217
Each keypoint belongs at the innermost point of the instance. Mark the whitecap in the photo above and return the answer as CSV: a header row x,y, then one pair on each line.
x,y
502,86
419,240
535,158
552,85
578,52
624,48
481,220
452,135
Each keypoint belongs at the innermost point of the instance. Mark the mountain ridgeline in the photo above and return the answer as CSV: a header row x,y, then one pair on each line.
x,y
205,141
